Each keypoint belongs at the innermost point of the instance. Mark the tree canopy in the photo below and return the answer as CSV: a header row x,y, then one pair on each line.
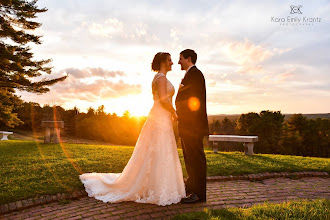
x,y
17,66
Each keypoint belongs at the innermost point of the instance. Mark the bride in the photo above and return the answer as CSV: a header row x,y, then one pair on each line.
x,y
153,174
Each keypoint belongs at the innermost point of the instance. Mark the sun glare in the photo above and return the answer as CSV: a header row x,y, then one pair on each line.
x,y
137,105
138,111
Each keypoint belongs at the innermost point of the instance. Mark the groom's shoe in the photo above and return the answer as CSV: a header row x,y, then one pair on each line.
x,y
192,198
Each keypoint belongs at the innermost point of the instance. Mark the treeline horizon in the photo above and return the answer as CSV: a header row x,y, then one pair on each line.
x,y
96,124
297,135
220,117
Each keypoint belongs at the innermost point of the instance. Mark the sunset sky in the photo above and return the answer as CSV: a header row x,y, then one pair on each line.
x,y
251,59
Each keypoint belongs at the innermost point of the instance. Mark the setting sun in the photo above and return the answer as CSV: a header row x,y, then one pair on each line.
x,y
111,61
137,105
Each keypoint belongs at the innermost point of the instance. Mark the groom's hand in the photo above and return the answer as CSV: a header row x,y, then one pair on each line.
x,y
174,116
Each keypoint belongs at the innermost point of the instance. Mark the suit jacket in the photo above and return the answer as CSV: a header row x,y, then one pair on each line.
x,y
191,104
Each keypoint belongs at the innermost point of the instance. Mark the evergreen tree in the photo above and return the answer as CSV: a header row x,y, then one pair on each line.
x,y
100,110
228,127
214,126
90,111
17,66
248,124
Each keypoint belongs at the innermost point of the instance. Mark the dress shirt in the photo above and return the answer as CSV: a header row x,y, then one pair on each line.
x,y
188,69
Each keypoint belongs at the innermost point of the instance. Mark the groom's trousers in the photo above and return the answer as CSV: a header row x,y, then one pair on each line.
x,y
195,161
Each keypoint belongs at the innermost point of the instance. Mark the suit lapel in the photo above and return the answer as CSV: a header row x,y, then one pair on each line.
x,y
185,82
188,73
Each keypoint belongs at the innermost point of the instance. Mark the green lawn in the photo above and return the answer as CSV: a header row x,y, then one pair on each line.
x,y
318,209
28,169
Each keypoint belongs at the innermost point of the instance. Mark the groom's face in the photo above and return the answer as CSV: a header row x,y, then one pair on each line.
x,y
183,62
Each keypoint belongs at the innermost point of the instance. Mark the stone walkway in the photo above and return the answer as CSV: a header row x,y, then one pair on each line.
x,y
237,193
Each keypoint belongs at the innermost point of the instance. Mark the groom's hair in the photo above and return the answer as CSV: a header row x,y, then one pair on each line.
x,y
158,59
189,53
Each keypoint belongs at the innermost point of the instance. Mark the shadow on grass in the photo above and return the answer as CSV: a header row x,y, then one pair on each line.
x,y
280,162
251,164
239,161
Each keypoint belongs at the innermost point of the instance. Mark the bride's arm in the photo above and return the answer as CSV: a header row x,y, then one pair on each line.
x,y
162,93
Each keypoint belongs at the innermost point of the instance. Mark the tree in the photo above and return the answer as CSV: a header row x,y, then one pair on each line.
x,y
228,127
247,124
31,114
297,123
267,126
7,102
70,118
270,131
126,114
17,67
100,110
308,137
90,111
215,127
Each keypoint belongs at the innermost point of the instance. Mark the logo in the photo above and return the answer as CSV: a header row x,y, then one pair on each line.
x,y
295,18
295,9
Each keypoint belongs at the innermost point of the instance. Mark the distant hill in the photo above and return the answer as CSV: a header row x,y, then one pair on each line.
x,y
311,116
234,117
222,116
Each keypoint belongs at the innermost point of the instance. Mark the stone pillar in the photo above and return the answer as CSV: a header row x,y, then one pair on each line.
x,y
52,131
47,135
56,135
248,148
215,147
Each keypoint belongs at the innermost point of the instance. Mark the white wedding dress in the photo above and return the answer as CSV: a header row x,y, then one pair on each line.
x,y
153,174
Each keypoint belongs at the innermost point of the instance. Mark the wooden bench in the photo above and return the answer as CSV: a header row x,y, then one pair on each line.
x,y
247,140
5,135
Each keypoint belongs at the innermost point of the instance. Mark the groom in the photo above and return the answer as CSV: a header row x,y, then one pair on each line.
x,y
193,126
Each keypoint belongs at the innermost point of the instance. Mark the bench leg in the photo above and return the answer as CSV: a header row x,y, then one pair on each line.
x,y
56,136
248,148
214,145
47,136
4,137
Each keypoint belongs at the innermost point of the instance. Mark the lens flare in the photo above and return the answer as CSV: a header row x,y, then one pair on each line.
x,y
48,165
193,103
57,129
44,157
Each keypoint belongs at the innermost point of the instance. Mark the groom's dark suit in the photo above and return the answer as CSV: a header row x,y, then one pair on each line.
x,y
193,126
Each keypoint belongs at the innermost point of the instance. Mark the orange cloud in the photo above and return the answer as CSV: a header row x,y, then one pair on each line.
x,y
249,56
108,28
246,52
94,83
90,72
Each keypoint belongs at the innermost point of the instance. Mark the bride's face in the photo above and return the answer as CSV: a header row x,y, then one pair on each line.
x,y
168,63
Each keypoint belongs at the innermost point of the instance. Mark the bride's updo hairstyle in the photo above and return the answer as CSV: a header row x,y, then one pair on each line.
x,y
158,59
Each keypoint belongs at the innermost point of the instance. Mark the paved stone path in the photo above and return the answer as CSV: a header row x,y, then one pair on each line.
x,y
238,193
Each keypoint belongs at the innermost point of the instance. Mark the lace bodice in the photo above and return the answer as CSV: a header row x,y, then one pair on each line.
x,y
170,88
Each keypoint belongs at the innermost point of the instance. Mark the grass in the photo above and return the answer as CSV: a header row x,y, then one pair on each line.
x,y
29,169
301,209
236,163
